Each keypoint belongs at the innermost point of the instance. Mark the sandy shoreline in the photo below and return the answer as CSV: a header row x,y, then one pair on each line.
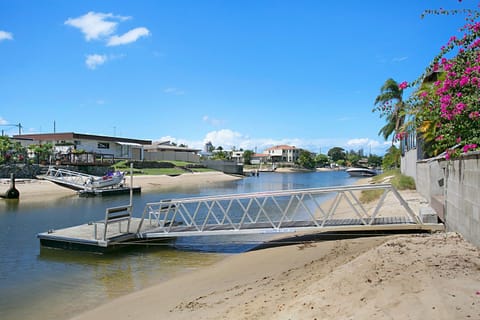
x,y
396,277
35,191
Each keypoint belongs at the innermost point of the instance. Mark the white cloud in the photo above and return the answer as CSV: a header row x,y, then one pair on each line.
x,y
4,35
213,121
174,91
399,59
3,121
229,138
128,37
95,60
96,25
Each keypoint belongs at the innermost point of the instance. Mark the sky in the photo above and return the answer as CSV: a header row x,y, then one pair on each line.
x,y
241,74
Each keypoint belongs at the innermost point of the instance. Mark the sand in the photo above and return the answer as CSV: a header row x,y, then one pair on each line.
x,y
395,277
34,191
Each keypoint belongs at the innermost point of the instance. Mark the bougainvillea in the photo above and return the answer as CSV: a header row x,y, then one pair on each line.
x,y
446,112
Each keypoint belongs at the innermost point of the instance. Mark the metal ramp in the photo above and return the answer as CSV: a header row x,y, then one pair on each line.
x,y
298,212
70,179
290,211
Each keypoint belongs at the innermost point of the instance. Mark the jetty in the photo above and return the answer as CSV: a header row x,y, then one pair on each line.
x,y
287,213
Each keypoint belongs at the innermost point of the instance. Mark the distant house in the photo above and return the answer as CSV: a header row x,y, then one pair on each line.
x,y
71,143
166,151
283,153
259,158
237,156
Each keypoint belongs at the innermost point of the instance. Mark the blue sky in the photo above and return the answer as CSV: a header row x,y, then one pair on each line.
x,y
244,74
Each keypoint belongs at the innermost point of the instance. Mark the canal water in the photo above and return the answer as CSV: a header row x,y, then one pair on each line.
x,y
41,283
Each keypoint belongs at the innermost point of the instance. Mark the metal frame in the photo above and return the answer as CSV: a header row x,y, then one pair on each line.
x,y
67,177
264,212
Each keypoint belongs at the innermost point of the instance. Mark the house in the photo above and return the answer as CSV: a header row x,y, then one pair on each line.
x,y
237,156
166,151
259,158
283,153
91,146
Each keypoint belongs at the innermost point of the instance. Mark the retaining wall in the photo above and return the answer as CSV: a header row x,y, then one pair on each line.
x,y
453,190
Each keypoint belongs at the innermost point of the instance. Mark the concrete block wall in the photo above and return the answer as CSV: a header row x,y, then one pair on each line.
x,y
462,196
458,197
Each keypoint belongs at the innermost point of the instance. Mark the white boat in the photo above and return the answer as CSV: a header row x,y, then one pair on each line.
x,y
107,180
361,172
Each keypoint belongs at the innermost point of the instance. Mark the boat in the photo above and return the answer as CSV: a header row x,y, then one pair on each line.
x,y
108,180
361,172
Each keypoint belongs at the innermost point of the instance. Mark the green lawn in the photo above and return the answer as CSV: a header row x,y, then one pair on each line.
x,y
161,171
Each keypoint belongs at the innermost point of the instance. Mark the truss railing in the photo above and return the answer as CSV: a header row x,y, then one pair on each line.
x,y
269,211
70,178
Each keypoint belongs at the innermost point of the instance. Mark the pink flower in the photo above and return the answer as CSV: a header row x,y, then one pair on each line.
x,y
403,85
471,146
474,115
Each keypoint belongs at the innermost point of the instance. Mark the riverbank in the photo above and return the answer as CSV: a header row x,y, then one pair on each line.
x,y
395,277
34,191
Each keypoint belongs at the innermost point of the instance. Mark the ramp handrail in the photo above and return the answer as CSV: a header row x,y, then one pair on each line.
x,y
274,210
69,177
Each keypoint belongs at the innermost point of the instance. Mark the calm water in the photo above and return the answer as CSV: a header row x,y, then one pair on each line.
x,y
43,283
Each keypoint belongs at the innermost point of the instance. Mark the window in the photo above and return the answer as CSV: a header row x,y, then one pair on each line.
x,y
103,145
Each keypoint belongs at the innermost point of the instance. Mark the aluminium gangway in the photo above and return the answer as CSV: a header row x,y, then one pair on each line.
x,y
288,212
67,178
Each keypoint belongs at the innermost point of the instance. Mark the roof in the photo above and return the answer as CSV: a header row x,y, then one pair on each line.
x,y
78,136
282,147
166,147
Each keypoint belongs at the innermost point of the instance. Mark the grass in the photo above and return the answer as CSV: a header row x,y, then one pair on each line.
x,y
398,180
177,170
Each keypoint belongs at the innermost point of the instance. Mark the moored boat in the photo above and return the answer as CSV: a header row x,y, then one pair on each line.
x,y
361,172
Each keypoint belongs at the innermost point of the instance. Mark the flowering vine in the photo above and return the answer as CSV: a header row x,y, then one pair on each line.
x,y
447,109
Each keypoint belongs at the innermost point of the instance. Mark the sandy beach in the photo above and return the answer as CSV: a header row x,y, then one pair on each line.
x,y
396,277
417,276
34,191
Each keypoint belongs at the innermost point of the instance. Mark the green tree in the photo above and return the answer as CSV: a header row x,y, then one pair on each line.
x,y
322,160
374,160
306,159
390,104
5,147
391,159
353,158
247,156
42,151
337,153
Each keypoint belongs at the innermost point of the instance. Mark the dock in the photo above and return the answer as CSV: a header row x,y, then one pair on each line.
x,y
108,192
288,212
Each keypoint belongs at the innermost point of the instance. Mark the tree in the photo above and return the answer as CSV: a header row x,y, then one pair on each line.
x,y
247,156
322,160
353,158
42,151
391,159
336,153
306,159
374,160
390,105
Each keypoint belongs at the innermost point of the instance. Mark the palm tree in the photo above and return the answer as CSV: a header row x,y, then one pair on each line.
x,y
391,93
